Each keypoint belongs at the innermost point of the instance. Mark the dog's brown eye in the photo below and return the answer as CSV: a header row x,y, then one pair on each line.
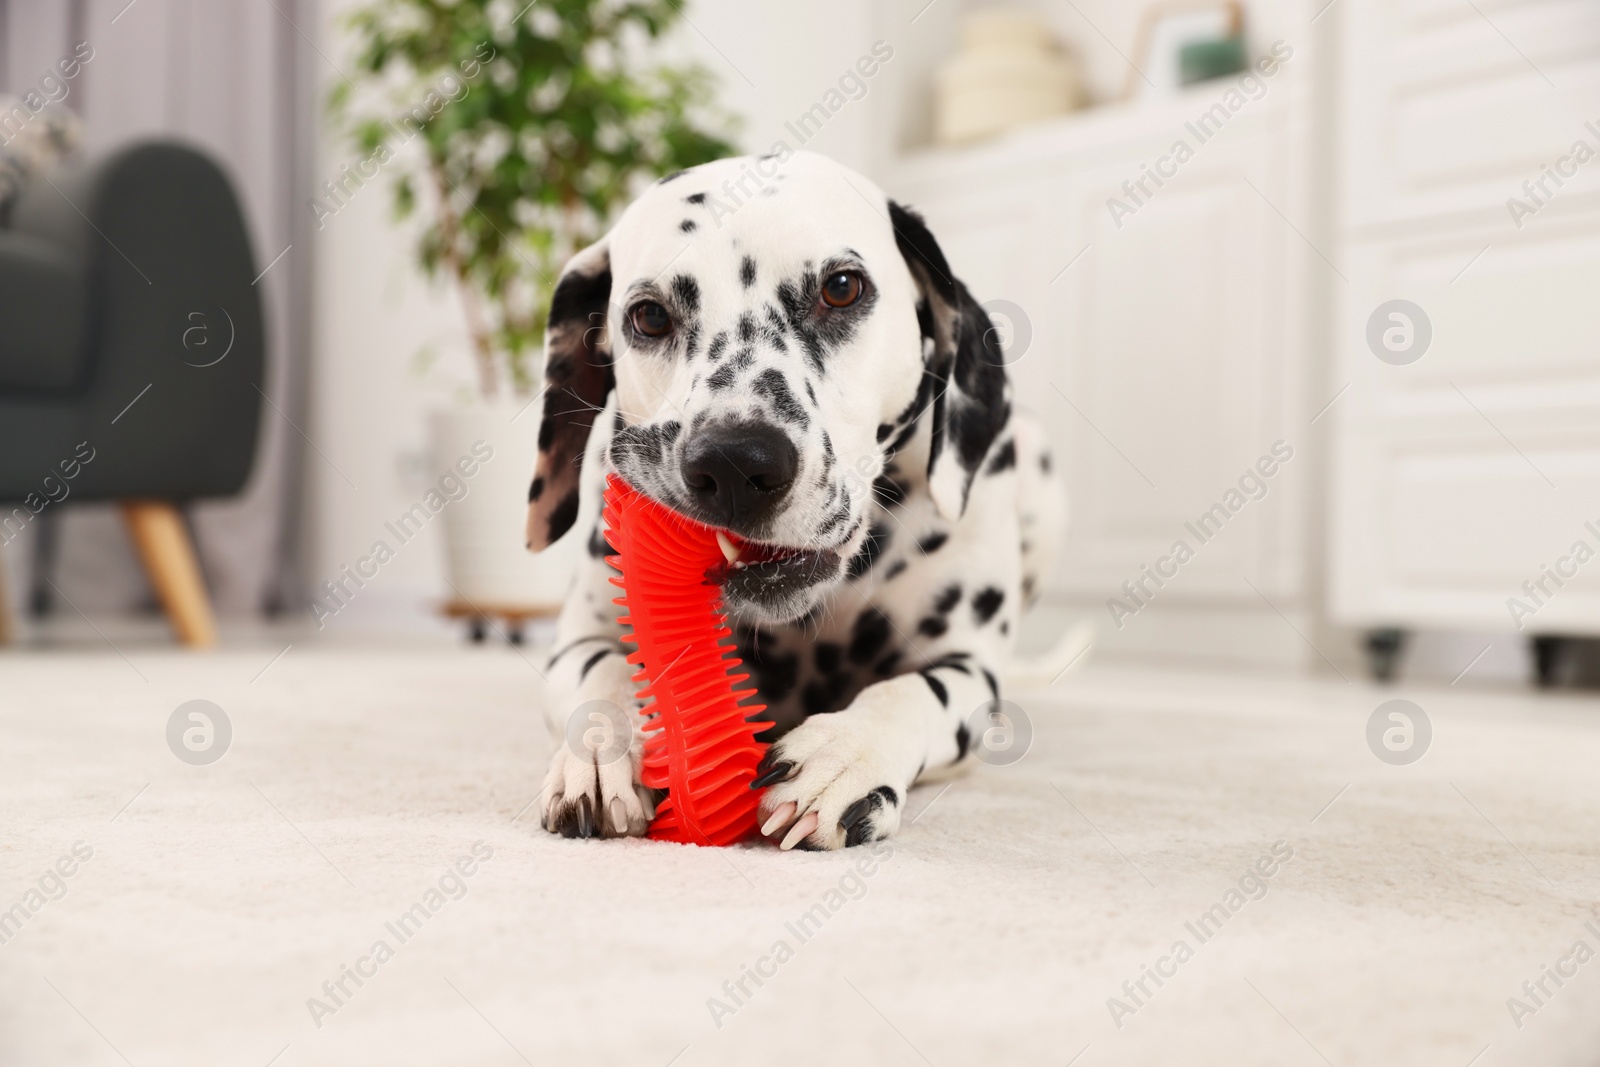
x,y
651,319
842,289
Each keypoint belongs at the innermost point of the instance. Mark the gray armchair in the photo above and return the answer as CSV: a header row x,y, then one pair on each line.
x,y
131,350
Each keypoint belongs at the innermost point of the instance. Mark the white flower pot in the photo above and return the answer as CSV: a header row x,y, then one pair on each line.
x,y
490,571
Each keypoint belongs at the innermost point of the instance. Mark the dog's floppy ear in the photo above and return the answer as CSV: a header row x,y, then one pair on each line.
x,y
972,400
577,378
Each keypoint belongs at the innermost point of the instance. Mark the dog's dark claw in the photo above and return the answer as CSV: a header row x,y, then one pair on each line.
x,y
856,812
860,833
585,817
566,820
776,773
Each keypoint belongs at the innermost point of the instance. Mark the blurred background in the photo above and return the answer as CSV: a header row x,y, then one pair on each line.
x,y
1305,288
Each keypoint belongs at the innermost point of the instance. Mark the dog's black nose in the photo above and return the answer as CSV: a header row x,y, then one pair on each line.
x,y
739,473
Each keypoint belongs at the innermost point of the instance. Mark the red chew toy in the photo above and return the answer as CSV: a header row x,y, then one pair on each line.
x,y
700,746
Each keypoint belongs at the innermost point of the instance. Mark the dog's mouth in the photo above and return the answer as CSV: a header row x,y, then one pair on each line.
x,y
772,580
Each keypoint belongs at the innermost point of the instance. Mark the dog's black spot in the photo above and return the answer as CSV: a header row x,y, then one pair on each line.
x,y
696,198
896,569
1004,459
588,664
743,358
884,430
829,656
536,490
562,516
775,675
797,299
933,542
598,548
747,327
772,385
687,226
1044,462
963,738
812,393
890,797
876,541
911,417
687,292
814,698
835,520
938,689
723,377
888,491
774,329
986,602
1005,627
868,636
645,441
953,661
572,645
947,599
994,684
747,272
933,626
719,344
674,176
887,664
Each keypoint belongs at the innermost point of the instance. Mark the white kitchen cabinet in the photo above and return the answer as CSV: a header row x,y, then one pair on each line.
x,y
1463,475
1167,353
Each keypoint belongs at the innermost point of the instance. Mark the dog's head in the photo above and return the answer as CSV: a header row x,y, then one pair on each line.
x,y
775,329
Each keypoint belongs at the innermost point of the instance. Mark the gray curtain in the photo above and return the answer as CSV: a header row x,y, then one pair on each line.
x,y
228,76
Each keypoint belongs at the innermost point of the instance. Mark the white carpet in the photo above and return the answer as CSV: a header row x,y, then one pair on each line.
x,y
221,898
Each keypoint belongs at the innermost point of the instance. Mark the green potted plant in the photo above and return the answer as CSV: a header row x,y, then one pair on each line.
x,y
514,134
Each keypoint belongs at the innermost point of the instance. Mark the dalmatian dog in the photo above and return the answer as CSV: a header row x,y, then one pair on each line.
x,y
798,367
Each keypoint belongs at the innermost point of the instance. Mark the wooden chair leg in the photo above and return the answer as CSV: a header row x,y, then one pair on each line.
x,y
169,561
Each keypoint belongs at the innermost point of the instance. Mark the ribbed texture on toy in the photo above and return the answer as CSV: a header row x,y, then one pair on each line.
x,y
700,744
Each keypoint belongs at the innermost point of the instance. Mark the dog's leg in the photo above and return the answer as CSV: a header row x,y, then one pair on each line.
x,y
841,779
592,788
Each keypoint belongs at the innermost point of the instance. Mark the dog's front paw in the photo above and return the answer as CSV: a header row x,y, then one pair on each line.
x,y
831,782
592,788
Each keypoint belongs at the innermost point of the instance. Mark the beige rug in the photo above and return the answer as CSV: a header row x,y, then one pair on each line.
x,y
379,797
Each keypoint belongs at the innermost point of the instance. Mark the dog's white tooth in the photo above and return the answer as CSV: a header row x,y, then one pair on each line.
x,y
728,550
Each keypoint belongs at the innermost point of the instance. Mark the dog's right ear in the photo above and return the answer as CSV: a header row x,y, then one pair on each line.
x,y
973,400
577,378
